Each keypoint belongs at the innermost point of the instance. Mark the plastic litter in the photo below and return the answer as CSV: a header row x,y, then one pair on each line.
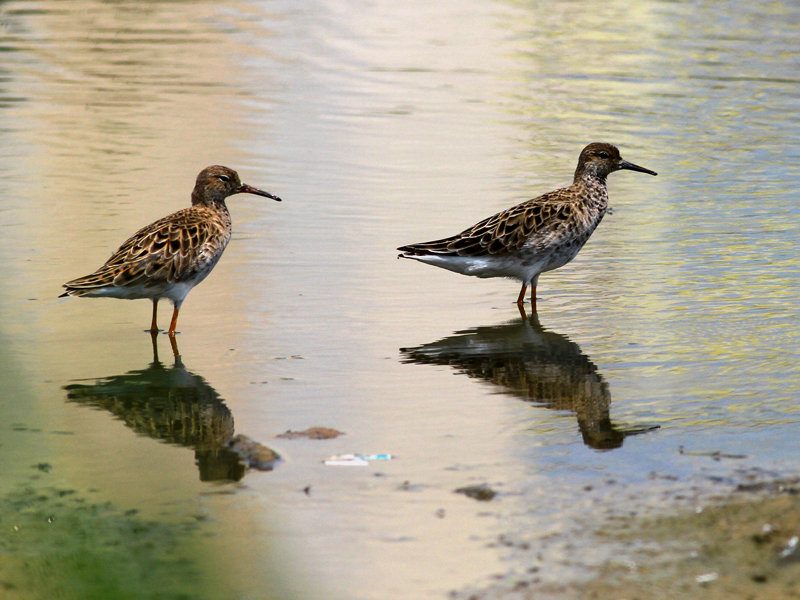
x,y
355,460
706,578
790,547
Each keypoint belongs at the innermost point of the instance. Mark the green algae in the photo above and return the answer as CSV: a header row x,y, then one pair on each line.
x,y
59,544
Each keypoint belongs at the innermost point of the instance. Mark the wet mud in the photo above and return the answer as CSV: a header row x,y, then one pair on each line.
x,y
743,547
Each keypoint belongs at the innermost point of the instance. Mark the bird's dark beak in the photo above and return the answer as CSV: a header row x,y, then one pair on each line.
x,y
624,164
249,189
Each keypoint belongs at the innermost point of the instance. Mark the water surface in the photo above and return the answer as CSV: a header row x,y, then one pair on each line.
x,y
381,125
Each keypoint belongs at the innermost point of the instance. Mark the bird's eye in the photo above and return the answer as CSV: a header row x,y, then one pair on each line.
x,y
224,178
603,154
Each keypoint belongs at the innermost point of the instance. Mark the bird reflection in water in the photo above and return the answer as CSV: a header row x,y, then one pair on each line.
x,y
534,364
176,406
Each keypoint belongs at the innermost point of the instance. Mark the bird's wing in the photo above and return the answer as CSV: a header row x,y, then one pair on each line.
x,y
537,221
166,251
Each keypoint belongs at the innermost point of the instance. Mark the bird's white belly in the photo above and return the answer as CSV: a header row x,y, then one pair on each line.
x,y
173,291
525,265
524,268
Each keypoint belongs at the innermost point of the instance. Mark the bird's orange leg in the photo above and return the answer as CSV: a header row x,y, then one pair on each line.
x,y
521,297
174,322
154,324
533,299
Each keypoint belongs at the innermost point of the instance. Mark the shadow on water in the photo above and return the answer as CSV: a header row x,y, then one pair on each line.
x,y
537,365
174,405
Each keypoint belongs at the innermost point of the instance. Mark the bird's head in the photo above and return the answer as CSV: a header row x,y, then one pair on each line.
x,y
599,160
216,183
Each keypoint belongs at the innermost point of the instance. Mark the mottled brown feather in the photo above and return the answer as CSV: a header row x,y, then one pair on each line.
x,y
509,230
169,250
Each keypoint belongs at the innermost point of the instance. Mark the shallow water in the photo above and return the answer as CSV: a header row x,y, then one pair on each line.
x,y
381,125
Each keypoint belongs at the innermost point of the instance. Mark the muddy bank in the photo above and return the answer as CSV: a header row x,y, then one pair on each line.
x,y
746,547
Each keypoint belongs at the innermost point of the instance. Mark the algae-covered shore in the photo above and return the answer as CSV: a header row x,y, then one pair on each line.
x,y
58,543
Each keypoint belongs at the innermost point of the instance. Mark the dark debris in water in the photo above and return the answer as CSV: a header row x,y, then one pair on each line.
x,y
407,486
312,433
253,454
777,486
713,454
482,493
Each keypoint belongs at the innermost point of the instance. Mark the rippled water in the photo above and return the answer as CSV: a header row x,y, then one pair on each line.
x,y
380,125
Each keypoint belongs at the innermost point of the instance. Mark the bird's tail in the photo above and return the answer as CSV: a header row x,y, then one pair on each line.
x,y
427,249
72,291
84,285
